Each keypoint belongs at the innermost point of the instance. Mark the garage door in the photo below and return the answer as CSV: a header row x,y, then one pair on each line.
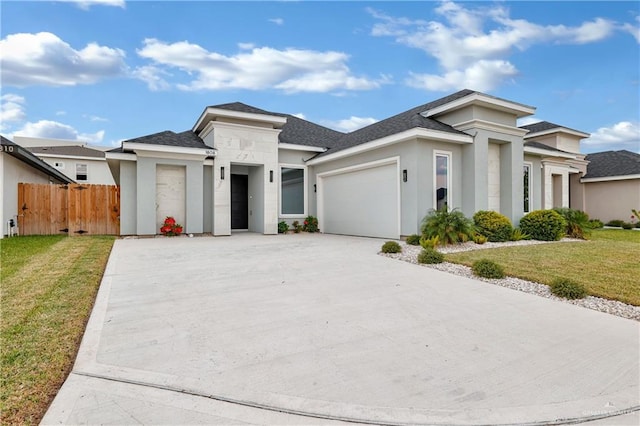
x,y
363,202
170,194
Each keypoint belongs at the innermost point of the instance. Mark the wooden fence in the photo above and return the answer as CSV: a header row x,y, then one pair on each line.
x,y
73,209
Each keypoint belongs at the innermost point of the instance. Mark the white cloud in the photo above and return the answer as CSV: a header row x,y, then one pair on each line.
x,y
152,75
472,45
86,4
300,115
525,121
56,130
44,59
277,21
61,112
290,70
11,110
95,118
622,135
350,124
633,29
246,46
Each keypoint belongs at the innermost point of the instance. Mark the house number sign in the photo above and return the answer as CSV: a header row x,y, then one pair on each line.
x,y
7,148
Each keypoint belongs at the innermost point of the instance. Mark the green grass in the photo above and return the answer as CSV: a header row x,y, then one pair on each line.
x,y
608,265
49,284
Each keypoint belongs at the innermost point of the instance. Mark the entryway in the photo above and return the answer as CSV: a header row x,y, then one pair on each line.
x,y
239,202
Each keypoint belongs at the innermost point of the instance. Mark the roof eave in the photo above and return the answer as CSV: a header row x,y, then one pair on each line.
x,y
520,110
210,113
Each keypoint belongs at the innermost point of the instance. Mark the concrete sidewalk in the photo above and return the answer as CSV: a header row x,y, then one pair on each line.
x,y
319,329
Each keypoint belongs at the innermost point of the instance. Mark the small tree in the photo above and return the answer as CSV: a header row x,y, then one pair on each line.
x,y
450,227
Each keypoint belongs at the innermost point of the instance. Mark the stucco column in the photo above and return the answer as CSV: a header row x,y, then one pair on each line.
x,y
475,177
222,198
511,180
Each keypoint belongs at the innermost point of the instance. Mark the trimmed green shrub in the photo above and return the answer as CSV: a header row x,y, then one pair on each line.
x,y
450,227
518,235
615,222
627,225
563,287
577,222
595,223
429,243
544,225
296,227
391,247
493,225
487,269
413,240
479,239
310,224
283,227
430,256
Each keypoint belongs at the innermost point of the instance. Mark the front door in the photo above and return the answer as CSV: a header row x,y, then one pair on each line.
x,y
239,202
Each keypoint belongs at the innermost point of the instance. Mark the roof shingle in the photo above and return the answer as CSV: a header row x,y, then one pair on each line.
x,y
612,163
71,150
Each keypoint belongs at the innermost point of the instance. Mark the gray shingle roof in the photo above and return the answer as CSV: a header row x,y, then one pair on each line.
x,y
27,157
186,139
612,163
71,150
544,126
540,145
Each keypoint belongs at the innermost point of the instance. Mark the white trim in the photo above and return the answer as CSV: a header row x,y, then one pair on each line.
x,y
449,155
548,153
491,126
530,165
609,178
213,113
482,99
294,147
69,157
372,164
305,184
120,156
144,147
414,133
558,130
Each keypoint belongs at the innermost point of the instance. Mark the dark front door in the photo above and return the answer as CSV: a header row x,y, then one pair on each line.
x,y
239,202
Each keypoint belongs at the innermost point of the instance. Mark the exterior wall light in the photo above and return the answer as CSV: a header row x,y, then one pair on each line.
x,y
315,188
404,175
222,173
270,175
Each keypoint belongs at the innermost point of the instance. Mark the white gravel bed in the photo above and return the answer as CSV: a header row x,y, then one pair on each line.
x,y
613,307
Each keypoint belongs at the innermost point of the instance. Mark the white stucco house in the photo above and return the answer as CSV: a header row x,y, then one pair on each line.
x,y
17,165
243,168
76,159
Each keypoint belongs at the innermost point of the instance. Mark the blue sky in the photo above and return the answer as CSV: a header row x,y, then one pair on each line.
x,y
109,70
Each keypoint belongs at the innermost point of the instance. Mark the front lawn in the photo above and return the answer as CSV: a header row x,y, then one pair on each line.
x,y
49,284
608,265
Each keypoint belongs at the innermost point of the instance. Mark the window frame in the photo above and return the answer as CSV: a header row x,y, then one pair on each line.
x,y
305,181
529,186
449,155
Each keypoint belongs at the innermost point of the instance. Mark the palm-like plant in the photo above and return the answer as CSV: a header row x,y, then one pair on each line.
x,y
450,227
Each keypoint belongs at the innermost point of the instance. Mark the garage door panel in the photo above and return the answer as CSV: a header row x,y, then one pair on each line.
x,y
362,202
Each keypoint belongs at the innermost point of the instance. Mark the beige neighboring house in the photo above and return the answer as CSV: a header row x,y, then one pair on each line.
x,y
17,165
77,160
612,185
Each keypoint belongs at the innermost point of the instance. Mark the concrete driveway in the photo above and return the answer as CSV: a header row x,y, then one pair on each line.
x,y
319,329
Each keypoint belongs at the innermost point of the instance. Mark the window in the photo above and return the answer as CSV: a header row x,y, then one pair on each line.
x,y
292,191
442,180
58,165
526,186
81,172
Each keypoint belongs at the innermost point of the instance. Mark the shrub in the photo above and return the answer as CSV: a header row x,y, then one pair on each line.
x,y
283,227
449,226
479,239
391,247
595,223
296,227
310,224
615,222
563,287
430,256
518,235
627,225
487,269
577,222
413,239
493,225
429,243
544,225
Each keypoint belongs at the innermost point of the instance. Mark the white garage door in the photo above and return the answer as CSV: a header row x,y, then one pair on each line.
x,y
170,194
363,202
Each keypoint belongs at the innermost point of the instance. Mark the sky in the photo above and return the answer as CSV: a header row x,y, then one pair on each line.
x,y
104,71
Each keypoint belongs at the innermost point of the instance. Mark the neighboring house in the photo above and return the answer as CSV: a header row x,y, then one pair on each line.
x,y
19,165
612,185
75,159
243,168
